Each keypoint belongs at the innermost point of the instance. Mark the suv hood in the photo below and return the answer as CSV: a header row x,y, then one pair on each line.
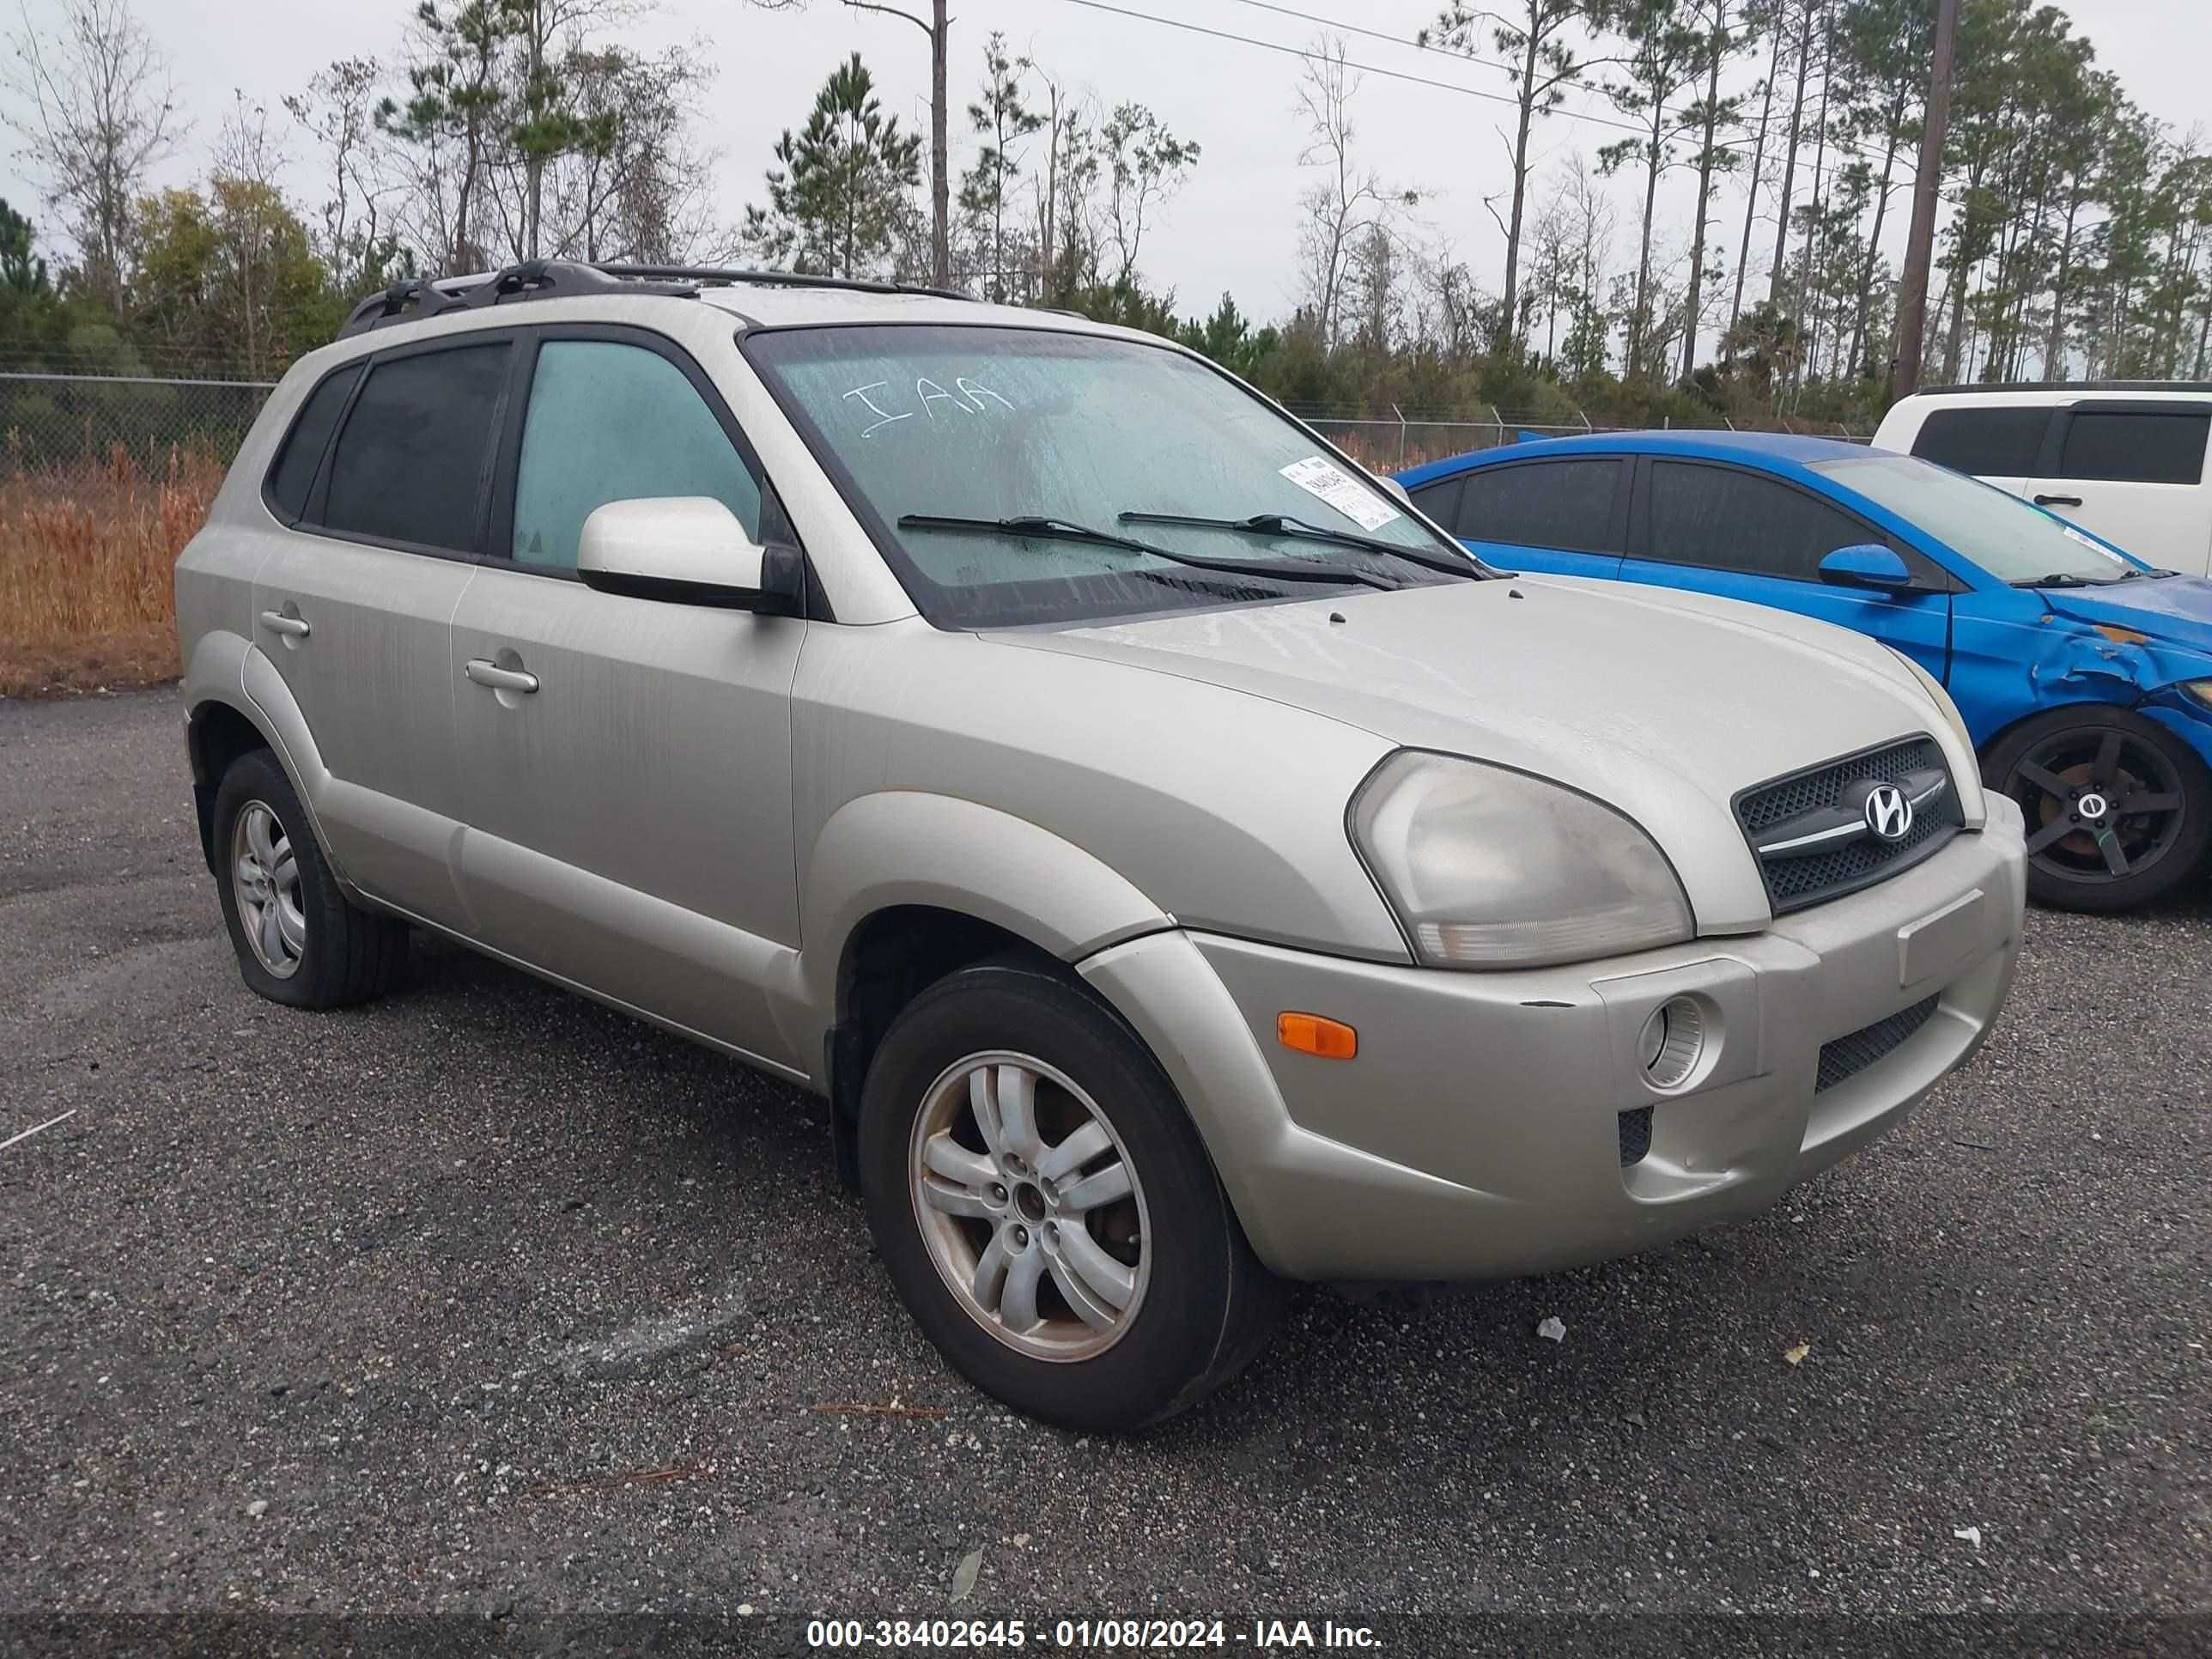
x,y
1661,704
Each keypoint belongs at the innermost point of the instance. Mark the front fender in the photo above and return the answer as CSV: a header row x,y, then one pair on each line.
x,y
908,847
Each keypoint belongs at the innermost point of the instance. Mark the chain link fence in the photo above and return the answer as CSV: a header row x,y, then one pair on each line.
x,y
50,421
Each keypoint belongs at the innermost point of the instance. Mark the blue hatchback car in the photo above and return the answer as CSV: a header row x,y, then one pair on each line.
x,y
2084,676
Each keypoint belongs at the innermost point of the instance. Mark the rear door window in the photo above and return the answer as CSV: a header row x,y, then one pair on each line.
x,y
1564,505
2003,443
412,463
1724,519
2133,446
294,474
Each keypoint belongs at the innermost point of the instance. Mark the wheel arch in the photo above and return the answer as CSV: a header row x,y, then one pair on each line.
x,y
903,888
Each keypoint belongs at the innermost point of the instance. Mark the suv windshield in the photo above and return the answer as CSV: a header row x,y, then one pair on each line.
x,y
1113,442
2002,533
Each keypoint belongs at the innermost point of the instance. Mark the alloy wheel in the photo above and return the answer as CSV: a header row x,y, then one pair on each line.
x,y
2101,804
265,880
1030,1206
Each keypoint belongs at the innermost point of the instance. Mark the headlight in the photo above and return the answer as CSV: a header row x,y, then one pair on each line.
x,y
1939,696
1488,868
2200,689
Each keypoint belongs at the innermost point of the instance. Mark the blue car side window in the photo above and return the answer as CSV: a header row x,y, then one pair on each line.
x,y
1722,519
1566,505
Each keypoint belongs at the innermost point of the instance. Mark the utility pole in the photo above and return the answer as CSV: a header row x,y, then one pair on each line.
x,y
1920,244
940,186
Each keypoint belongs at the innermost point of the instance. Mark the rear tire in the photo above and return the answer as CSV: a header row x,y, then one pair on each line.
x,y
1100,1289
298,940
2118,809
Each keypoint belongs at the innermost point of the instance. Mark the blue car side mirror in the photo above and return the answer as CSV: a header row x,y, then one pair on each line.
x,y
1868,564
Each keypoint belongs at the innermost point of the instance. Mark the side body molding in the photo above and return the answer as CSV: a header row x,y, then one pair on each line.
x,y
908,847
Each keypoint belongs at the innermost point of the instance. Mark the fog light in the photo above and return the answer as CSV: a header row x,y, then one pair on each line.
x,y
1672,1043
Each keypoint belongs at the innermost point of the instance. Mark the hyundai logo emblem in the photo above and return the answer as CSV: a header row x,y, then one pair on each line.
x,y
1888,814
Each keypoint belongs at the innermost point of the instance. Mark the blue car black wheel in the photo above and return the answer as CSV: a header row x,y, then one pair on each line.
x,y
2118,809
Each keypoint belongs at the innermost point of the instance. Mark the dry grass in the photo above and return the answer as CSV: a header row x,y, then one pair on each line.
x,y
87,552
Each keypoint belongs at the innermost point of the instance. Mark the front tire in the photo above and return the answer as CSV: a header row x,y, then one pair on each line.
x,y
2118,809
299,941
1045,1209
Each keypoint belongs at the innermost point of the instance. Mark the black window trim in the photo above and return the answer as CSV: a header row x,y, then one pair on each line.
x,y
2049,458
1618,531
1928,577
496,483
310,522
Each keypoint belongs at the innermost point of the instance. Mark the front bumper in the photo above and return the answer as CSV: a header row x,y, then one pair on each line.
x,y
1479,1131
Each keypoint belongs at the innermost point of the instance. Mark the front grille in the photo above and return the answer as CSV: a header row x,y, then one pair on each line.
x,y
1828,794
1635,1135
1848,1055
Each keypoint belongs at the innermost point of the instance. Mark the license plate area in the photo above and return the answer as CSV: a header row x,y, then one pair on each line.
x,y
1937,944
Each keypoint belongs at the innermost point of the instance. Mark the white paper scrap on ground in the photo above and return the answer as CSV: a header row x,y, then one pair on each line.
x,y
1552,1330
1317,475
1972,1535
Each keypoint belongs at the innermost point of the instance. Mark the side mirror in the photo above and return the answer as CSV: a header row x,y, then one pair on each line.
x,y
1868,564
687,550
1394,488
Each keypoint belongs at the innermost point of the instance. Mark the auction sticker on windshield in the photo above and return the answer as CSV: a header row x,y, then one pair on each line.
x,y
1319,476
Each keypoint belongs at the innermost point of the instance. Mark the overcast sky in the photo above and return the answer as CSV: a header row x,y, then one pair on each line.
x,y
1233,227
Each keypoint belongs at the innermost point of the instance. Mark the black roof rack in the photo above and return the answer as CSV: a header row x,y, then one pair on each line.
x,y
544,279
2071,386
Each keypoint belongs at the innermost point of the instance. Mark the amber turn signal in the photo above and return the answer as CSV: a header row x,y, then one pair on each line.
x,y
1318,1035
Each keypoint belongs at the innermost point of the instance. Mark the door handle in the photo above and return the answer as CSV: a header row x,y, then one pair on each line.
x,y
486,672
277,623
2058,500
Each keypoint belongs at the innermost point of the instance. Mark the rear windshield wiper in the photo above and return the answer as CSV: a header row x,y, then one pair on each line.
x,y
1038,528
1278,525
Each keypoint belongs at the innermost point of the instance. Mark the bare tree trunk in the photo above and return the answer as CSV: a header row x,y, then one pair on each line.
x,y
1816,235
1508,315
1789,158
1705,189
1920,246
940,190
1639,324
1874,250
2054,340
1757,165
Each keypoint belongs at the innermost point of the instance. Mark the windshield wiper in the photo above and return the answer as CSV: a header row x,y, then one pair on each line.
x,y
2063,579
1278,525
1038,528
2132,574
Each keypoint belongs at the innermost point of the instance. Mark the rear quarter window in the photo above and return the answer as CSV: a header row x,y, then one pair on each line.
x,y
294,474
1988,443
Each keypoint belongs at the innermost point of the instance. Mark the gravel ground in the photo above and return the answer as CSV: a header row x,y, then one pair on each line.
x,y
486,1301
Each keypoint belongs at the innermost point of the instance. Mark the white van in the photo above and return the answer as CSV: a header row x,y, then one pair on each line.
x,y
2125,458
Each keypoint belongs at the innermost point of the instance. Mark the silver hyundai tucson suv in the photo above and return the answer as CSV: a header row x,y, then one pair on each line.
x,y
1181,867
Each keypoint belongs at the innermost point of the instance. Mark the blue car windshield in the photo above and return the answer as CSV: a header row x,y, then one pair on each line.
x,y
2000,533
935,434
